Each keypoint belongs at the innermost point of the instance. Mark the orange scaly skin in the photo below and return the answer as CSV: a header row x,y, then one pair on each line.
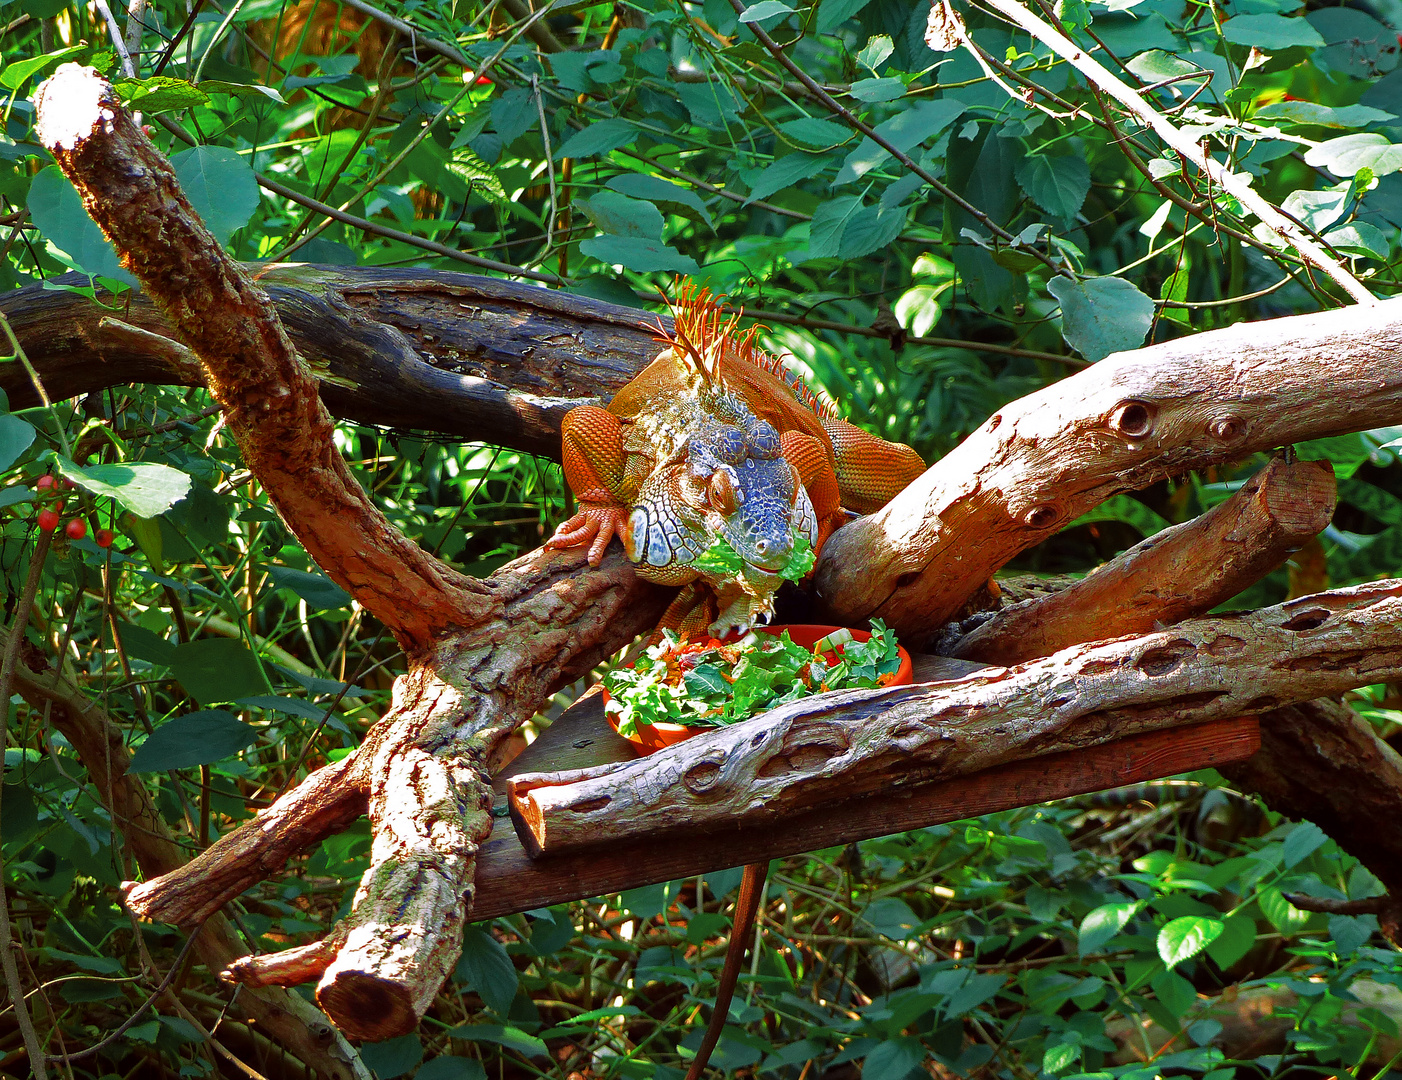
x,y
710,374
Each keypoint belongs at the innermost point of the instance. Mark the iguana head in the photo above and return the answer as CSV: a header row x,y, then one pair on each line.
x,y
733,484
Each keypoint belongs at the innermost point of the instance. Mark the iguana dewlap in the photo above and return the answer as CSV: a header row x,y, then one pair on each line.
x,y
711,441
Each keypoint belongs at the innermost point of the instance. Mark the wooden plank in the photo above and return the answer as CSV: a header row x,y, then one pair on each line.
x,y
508,880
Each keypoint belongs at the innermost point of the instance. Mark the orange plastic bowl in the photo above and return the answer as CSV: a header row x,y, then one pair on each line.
x,y
650,738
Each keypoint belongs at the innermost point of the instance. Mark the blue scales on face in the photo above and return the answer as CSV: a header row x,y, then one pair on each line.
x,y
728,481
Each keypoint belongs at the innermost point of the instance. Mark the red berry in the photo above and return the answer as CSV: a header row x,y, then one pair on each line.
x,y
104,538
45,482
76,529
48,520
69,484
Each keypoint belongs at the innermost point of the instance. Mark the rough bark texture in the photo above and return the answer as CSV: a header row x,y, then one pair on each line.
x,y
429,349
420,774
293,1022
1183,571
854,743
268,394
1121,424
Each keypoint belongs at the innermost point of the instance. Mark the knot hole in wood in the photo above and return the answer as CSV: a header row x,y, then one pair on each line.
x,y
1133,419
1165,658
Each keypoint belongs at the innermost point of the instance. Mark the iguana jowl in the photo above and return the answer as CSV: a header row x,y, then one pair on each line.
x,y
709,442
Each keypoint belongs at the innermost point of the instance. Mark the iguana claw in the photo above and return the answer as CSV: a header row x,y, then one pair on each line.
x,y
598,524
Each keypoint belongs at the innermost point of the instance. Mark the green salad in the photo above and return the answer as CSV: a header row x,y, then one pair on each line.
x,y
724,561
711,683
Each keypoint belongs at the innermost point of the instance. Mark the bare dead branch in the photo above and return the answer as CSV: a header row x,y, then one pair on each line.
x,y
269,396
1183,571
1120,425
843,745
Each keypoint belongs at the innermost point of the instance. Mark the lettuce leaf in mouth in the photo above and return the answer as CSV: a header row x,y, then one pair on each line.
x,y
722,560
723,683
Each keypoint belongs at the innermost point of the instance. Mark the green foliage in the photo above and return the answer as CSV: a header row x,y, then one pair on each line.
x,y
1076,940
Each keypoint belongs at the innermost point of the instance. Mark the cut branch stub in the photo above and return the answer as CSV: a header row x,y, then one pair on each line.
x,y
269,396
848,744
1128,421
1183,571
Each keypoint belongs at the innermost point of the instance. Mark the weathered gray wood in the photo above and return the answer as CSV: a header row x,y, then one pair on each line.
x,y
509,880
841,745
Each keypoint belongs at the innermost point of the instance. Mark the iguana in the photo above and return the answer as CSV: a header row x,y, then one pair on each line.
x,y
715,441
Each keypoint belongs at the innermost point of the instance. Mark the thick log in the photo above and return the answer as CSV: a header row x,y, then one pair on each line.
x,y
842,745
1183,571
509,880
1119,425
268,395
459,354
420,772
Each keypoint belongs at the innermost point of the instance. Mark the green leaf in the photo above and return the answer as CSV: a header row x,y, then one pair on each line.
x,y
485,967
784,172
1237,937
1309,113
220,186
1304,840
319,591
57,211
1271,32
513,1038
765,9
639,254
479,177
656,189
1347,154
1359,238
1279,912
813,132
1059,185
1318,209
215,670
247,91
894,1059
907,129
12,78
393,1057
833,13
146,488
198,738
871,90
891,917
16,436
1102,315
1185,937
598,138
1104,923
447,1067
1060,1057
620,215
145,645
159,94
1159,65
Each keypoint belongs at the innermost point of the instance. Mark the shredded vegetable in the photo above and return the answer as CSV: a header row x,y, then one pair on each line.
x,y
713,683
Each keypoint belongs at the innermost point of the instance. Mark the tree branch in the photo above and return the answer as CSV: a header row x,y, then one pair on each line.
x,y
1183,571
842,745
1120,425
268,394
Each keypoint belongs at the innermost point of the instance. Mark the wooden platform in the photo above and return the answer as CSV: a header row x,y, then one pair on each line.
x,y
508,880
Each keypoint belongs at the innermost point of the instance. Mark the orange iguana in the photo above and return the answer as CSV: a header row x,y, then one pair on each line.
x,y
711,442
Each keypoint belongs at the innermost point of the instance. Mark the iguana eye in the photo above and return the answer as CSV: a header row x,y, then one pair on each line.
x,y
725,496
764,440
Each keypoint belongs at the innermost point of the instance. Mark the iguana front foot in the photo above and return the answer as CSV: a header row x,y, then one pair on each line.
x,y
595,523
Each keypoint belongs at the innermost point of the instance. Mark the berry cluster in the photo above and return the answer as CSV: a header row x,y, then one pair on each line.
x,y
51,487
